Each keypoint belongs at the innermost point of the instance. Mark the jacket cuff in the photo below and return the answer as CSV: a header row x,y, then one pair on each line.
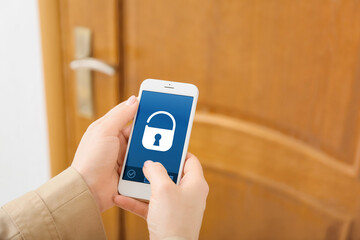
x,y
27,217
63,208
72,206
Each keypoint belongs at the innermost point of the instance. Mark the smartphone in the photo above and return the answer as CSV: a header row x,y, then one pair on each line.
x,y
160,132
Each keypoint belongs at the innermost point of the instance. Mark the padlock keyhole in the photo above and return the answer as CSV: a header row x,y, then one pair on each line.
x,y
157,139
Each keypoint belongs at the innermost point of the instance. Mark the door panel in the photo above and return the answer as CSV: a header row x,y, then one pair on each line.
x,y
277,124
254,151
102,18
105,46
265,184
257,210
259,55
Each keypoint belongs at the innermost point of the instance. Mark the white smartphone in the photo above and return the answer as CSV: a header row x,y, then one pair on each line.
x,y
160,132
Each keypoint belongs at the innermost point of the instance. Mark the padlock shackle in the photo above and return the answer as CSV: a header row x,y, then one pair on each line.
x,y
162,112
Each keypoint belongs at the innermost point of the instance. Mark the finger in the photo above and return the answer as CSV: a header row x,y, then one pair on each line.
x,y
156,174
116,119
120,169
122,151
126,132
132,205
192,167
188,155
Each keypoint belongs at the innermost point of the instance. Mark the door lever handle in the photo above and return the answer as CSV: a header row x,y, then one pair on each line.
x,y
84,64
92,64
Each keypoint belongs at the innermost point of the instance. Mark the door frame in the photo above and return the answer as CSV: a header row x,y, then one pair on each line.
x,y
49,20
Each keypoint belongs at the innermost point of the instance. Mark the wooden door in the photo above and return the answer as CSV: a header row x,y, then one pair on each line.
x,y
277,124
102,18
59,19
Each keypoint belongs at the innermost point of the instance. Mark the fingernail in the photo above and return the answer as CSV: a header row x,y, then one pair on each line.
x,y
147,163
131,100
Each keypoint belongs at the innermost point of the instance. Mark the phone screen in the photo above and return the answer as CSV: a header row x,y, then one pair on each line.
x,y
159,134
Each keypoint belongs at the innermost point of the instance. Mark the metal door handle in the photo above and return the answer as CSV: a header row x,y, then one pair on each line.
x,y
92,64
83,65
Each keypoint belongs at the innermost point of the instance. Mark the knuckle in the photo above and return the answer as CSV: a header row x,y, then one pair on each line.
x,y
204,186
207,188
93,125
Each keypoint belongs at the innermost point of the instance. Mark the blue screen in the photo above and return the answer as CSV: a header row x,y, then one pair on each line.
x,y
159,134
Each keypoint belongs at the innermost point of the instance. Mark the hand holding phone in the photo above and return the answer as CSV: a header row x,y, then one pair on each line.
x,y
99,158
174,210
161,132
101,152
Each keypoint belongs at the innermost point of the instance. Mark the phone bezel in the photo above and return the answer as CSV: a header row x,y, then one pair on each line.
x,y
142,190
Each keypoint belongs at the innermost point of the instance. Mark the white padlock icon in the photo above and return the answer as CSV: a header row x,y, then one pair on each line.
x,y
158,139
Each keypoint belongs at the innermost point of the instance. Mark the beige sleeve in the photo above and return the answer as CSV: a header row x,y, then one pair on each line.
x,y
63,208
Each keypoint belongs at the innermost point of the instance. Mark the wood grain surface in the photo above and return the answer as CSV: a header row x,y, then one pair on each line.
x,y
277,124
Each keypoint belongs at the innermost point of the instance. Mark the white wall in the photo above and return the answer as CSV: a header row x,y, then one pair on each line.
x,y
24,160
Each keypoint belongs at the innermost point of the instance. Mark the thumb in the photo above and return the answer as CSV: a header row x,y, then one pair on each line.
x,y
116,119
156,174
